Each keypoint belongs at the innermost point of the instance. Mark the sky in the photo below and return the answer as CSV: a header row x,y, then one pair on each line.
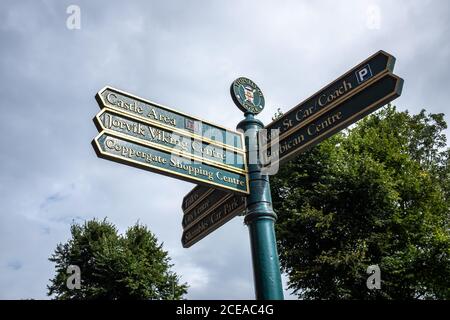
x,y
182,54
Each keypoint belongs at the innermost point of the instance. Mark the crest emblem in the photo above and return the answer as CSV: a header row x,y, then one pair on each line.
x,y
247,95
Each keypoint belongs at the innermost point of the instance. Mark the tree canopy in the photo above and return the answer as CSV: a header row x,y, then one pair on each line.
x,y
114,266
376,194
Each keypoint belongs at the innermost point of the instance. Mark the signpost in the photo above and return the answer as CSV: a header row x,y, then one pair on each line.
x,y
141,133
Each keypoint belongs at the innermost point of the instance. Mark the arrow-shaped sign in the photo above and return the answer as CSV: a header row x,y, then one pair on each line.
x,y
334,93
361,103
212,200
130,151
161,138
357,93
170,119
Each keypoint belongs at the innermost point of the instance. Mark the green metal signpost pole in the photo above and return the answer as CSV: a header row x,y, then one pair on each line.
x,y
261,219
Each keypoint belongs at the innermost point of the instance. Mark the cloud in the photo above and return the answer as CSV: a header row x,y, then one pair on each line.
x,y
14,265
184,56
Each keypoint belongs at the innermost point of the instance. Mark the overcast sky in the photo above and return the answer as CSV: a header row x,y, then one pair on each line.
x,y
183,54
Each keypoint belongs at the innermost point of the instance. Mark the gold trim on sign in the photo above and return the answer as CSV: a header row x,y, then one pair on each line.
x,y
190,156
104,104
390,57
388,96
200,236
159,169
196,202
332,105
215,206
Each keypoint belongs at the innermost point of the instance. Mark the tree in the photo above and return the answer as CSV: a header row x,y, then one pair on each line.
x,y
113,266
376,194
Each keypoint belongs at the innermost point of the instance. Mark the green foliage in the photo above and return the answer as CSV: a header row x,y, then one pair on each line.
x,y
113,266
377,194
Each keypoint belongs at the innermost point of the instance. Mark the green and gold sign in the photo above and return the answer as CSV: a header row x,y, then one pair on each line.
x,y
378,92
247,95
194,196
143,134
149,136
130,151
205,210
213,199
175,142
334,93
211,219
170,119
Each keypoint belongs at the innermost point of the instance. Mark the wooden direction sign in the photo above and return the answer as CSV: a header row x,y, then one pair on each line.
x,y
213,211
362,102
170,119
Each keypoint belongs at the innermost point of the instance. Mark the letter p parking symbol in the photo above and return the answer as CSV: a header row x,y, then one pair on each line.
x,y
364,74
